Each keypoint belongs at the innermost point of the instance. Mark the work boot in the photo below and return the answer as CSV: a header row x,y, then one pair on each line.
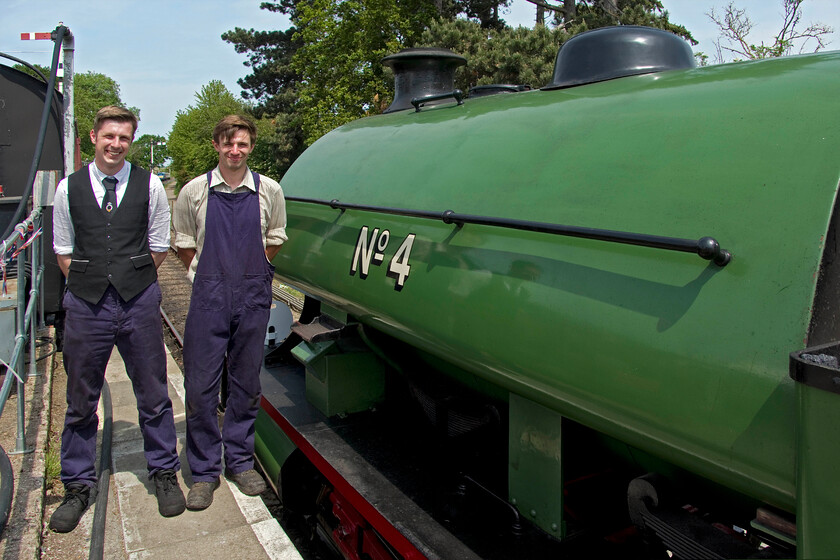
x,y
249,482
169,495
67,516
201,495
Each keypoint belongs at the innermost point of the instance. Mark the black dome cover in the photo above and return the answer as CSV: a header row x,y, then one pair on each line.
x,y
614,52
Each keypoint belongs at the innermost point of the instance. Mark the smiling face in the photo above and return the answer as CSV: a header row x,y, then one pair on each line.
x,y
234,150
111,143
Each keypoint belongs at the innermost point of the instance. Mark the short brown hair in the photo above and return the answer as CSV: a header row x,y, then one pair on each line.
x,y
228,126
114,113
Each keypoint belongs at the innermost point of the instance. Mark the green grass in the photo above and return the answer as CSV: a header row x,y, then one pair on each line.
x,y
52,465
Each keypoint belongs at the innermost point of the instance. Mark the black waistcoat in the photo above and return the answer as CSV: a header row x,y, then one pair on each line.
x,y
114,249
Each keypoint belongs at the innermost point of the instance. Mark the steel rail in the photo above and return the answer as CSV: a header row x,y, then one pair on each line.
x,y
171,326
294,303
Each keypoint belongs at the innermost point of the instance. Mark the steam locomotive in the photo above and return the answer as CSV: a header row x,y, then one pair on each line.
x,y
596,317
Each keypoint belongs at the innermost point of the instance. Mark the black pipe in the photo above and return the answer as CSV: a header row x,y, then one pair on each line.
x,y
59,34
30,66
97,536
706,247
7,488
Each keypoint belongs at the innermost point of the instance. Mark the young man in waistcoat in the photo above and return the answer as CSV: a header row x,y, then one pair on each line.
x,y
229,224
111,232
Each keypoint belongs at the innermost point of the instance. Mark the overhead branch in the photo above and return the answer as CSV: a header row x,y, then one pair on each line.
x,y
735,26
547,6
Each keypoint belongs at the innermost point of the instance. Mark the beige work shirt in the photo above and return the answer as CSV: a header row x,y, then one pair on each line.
x,y
190,212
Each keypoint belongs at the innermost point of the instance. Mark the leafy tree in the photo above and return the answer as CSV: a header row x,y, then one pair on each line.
x,y
272,86
45,70
735,26
141,150
326,69
273,83
190,140
526,56
506,56
576,17
593,14
339,60
279,143
486,12
92,92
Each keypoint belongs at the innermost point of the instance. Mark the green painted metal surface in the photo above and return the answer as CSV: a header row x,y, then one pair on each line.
x,y
818,503
271,446
340,383
535,473
661,350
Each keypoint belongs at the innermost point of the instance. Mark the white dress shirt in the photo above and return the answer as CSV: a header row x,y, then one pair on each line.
x,y
64,237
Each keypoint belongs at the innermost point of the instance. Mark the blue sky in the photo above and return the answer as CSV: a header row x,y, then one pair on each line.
x,y
162,52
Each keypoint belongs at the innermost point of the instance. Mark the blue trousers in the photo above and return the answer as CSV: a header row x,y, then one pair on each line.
x,y
91,332
208,336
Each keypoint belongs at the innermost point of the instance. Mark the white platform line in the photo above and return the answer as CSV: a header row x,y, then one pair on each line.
x,y
131,536
176,378
272,537
276,542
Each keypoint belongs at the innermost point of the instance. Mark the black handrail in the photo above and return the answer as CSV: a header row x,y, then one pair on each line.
x,y
706,247
418,102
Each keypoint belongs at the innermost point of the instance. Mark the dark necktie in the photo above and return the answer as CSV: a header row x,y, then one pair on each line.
x,y
109,201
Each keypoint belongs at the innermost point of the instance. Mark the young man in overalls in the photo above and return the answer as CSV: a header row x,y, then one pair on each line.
x,y
229,224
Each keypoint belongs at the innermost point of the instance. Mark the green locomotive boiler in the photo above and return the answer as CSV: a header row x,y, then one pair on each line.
x,y
596,317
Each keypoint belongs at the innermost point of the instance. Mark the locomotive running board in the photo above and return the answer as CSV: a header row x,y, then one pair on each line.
x,y
320,329
336,447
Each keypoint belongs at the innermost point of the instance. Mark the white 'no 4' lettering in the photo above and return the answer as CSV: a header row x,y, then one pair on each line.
x,y
370,248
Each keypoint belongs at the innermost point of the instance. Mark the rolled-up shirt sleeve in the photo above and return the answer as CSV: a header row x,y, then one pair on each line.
x,y
275,231
158,216
183,221
64,237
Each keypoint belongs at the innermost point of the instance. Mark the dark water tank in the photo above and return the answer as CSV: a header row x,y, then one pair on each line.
x,y
21,106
